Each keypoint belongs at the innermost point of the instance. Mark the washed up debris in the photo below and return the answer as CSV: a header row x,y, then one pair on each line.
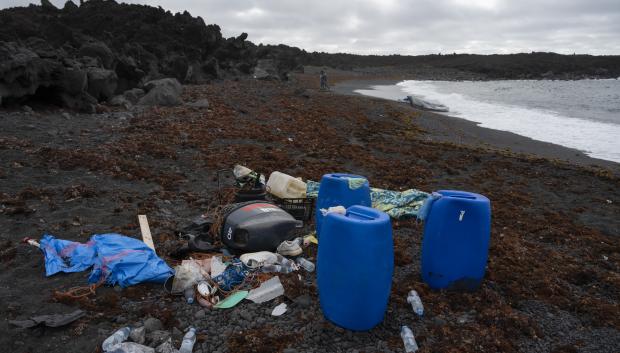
x,y
290,247
305,264
285,186
217,266
232,300
333,209
311,238
55,320
258,259
186,275
279,310
187,345
268,290
416,303
408,339
232,276
114,258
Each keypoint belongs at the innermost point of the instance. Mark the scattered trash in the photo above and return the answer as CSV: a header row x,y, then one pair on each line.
x,y
306,264
268,290
186,276
189,293
232,276
256,226
116,259
187,345
283,265
217,266
285,186
416,303
311,238
279,310
251,184
55,320
258,259
290,247
232,300
333,209
115,339
408,339
131,347
31,241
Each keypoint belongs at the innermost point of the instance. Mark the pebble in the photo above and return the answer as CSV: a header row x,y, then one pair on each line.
x,y
246,315
303,301
153,324
200,314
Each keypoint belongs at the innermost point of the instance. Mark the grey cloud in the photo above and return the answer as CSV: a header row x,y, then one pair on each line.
x,y
413,27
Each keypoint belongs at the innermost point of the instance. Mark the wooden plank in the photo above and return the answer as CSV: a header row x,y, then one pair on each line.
x,y
146,231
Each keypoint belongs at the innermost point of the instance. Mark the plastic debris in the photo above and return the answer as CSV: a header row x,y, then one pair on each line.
x,y
305,264
188,341
56,320
232,300
334,209
189,293
115,259
311,238
186,275
279,310
217,266
115,339
408,340
268,290
234,275
131,347
416,303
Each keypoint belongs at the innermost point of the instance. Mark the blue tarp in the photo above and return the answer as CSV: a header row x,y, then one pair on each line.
x,y
115,259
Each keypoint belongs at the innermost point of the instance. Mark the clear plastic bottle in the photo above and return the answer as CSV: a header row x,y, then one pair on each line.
x,y
116,338
306,264
272,268
408,339
416,303
189,293
188,341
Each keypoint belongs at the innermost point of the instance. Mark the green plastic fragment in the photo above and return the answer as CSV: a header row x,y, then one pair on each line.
x,y
232,300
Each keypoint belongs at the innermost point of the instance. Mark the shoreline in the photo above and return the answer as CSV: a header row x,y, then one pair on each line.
x,y
446,128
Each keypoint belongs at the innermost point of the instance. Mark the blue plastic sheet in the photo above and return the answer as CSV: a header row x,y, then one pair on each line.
x,y
114,258
232,276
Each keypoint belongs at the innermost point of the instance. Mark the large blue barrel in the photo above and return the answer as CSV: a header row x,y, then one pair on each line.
x,y
339,189
355,263
456,241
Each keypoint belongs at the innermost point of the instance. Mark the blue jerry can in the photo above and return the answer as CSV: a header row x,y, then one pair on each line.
x,y
456,240
355,263
340,189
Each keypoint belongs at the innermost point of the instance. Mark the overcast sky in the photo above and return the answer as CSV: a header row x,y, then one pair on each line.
x,y
412,26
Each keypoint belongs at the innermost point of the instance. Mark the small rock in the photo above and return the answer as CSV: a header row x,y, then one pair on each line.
x,y
157,337
27,109
289,350
200,314
120,319
246,315
138,335
152,324
303,301
201,103
66,116
165,347
177,334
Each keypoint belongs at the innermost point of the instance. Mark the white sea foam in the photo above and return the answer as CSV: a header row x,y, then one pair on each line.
x,y
595,138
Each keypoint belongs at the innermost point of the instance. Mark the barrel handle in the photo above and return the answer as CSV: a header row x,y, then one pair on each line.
x,y
361,215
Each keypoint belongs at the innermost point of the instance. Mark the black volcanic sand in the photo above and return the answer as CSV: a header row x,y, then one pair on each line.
x,y
552,283
442,127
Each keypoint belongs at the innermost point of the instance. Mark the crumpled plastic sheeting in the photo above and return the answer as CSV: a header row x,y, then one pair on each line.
x,y
397,204
115,258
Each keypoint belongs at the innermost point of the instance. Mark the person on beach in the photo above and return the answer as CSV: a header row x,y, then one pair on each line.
x,y
323,77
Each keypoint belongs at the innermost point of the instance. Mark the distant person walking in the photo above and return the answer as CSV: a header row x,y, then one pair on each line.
x,y
324,86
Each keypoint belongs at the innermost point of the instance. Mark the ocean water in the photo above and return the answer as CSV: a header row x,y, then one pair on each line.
x,y
583,114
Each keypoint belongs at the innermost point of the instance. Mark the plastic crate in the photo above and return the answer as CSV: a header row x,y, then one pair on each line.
x,y
301,209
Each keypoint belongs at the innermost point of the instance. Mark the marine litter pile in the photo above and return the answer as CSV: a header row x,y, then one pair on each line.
x,y
552,281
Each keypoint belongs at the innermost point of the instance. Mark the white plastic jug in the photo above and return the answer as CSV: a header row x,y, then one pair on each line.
x,y
285,186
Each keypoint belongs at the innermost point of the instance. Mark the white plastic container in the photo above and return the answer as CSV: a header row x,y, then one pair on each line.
x,y
285,186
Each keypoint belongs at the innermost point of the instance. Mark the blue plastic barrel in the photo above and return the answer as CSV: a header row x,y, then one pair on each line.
x,y
456,241
340,189
355,263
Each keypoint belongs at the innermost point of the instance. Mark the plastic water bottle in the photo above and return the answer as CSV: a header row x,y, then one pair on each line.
x,y
189,294
272,268
306,264
188,341
416,303
408,339
116,338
